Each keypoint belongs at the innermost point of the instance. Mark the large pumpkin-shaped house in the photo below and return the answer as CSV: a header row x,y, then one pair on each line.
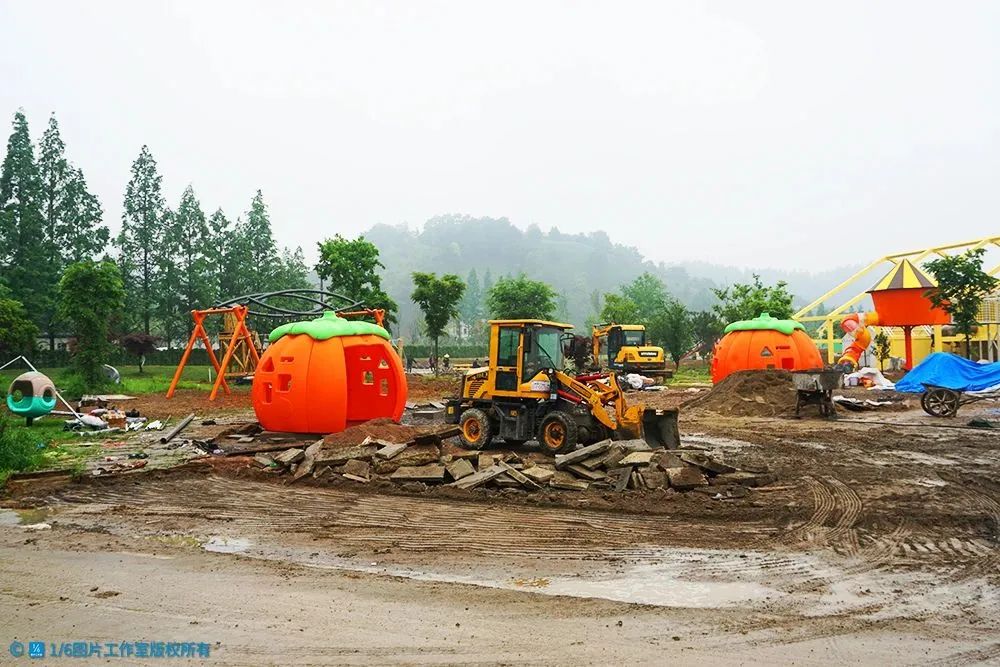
x,y
764,343
326,374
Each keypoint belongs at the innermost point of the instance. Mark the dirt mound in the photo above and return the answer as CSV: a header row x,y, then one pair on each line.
x,y
749,394
382,428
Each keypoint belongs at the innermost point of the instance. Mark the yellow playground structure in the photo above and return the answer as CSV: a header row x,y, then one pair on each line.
x,y
854,296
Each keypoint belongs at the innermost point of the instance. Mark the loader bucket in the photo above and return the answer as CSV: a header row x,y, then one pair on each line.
x,y
659,428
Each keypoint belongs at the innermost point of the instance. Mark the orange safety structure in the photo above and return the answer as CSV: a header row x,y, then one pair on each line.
x,y
324,375
764,343
240,333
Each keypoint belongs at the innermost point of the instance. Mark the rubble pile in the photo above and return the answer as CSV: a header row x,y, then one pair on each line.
x,y
414,456
757,393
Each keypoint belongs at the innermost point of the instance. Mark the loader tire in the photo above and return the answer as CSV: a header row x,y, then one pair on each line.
x,y
477,431
557,433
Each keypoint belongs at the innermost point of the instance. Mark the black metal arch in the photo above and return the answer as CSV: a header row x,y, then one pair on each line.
x,y
321,300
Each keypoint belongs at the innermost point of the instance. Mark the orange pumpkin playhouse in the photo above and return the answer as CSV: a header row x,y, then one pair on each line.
x,y
764,343
326,374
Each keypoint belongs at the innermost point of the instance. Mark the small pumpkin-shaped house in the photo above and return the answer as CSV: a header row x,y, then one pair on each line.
x,y
764,343
324,375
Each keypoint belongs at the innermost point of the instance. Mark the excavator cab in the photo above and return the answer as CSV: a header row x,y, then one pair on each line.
x,y
524,393
624,348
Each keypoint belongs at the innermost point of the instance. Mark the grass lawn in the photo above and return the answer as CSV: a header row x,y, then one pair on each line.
x,y
154,379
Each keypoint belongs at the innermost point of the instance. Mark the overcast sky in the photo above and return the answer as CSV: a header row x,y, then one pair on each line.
x,y
792,134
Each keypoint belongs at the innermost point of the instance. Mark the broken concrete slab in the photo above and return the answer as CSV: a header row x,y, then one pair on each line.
x,y
356,467
355,478
413,455
667,460
705,462
539,474
485,461
481,477
389,449
743,478
308,461
636,445
518,476
505,481
289,456
637,459
686,478
565,480
425,473
654,478
340,456
563,460
263,460
589,475
621,477
460,468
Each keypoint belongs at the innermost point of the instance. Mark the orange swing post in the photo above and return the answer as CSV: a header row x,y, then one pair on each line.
x,y
199,333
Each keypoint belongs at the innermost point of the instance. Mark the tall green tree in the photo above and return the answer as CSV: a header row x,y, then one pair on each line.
x,y
186,279
72,227
745,301
351,268
673,328
91,318
470,308
619,309
140,236
962,286
225,257
649,294
17,331
706,330
257,246
438,299
24,253
521,298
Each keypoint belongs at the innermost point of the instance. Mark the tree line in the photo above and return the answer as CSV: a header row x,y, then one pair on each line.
x,y
169,259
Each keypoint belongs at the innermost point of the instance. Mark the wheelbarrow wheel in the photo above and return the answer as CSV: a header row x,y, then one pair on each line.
x,y
940,402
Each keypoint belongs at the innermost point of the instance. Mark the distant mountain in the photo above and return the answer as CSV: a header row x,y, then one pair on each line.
x,y
580,267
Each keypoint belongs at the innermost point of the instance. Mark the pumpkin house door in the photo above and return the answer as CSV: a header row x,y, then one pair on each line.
x,y
371,382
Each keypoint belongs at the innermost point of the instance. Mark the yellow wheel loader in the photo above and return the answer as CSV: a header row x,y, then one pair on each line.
x,y
524,394
623,348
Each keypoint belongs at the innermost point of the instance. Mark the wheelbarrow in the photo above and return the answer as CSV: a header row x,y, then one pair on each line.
x,y
815,387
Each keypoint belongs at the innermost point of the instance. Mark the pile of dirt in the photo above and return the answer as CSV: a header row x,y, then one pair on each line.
x,y
382,428
749,394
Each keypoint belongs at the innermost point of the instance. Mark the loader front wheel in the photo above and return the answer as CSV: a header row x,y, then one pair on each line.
x,y
557,433
477,431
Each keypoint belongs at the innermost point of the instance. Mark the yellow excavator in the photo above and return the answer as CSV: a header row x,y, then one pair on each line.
x,y
524,394
623,348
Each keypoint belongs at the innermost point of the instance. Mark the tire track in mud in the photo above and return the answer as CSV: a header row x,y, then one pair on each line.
x,y
407,523
833,501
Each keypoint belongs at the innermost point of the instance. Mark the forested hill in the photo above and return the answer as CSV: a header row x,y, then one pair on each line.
x,y
580,267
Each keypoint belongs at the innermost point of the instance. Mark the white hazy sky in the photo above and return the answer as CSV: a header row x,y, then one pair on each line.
x,y
793,134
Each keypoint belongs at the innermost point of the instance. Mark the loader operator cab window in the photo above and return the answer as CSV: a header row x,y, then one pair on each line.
x,y
542,350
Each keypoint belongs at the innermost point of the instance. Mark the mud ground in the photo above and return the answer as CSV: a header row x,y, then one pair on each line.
x,y
877,544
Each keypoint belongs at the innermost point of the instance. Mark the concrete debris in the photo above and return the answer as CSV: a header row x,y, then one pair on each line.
x,y
426,460
637,459
460,468
581,454
289,456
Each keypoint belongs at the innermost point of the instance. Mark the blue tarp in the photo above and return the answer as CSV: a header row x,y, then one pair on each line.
x,y
951,371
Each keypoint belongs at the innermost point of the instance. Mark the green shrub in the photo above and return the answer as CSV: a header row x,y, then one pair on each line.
x,y
20,449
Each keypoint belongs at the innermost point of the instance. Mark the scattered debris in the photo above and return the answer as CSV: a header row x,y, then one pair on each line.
x,y
175,431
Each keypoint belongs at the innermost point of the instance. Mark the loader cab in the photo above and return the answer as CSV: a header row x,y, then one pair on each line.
x,y
521,354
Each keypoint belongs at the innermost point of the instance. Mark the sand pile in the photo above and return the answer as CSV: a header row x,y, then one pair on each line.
x,y
749,394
